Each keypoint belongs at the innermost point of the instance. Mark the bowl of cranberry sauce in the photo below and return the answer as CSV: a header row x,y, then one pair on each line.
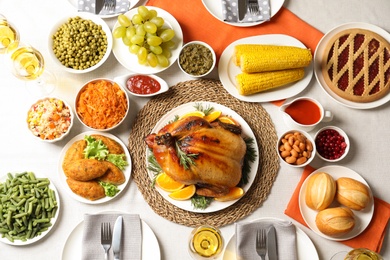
x,y
141,85
332,143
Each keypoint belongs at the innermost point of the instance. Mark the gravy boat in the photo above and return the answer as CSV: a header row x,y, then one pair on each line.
x,y
325,115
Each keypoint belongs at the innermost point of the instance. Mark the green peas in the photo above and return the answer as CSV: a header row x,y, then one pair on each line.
x,y
79,43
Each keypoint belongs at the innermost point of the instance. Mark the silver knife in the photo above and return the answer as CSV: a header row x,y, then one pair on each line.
x,y
271,244
241,9
117,238
98,6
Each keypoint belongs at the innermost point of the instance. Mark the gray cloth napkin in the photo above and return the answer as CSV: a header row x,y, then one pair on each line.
x,y
89,6
230,12
131,236
285,239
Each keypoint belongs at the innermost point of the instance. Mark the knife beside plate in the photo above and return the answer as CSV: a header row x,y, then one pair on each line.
x,y
242,9
117,238
96,7
271,244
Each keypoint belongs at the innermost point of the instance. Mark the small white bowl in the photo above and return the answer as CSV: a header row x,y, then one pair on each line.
x,y
308,137
181,58
39,119
344,146
122,80
90,126
87,16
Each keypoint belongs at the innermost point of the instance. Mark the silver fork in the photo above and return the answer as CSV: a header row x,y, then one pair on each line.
x,y
105,238
109,5
261,247
253,7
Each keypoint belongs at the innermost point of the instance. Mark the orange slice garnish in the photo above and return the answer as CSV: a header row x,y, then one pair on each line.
x,y
184,194
193,113
213,116
234,193
165,182
227,120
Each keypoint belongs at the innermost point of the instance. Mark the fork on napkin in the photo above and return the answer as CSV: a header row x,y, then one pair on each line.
x,y
131,236
230,12
90,6
285,238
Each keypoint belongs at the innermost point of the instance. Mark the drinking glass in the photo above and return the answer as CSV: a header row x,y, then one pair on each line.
x,y
205,243
8,33
362,254
339,255
27,63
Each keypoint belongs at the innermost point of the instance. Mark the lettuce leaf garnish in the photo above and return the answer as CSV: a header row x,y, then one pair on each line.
x,y
95,149
109,189
118,160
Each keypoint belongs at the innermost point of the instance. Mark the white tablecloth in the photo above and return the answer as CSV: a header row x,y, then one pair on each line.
x,y
368,130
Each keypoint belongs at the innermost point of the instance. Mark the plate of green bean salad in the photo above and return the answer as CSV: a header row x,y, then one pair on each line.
x,y
29,207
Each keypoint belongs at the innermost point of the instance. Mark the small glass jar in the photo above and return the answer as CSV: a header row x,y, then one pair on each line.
x,y
205,242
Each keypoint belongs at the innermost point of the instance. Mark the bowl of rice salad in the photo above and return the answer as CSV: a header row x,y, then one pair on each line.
x,y
50,119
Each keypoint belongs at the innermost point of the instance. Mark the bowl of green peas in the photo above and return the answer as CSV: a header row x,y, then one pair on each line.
x,y
80,43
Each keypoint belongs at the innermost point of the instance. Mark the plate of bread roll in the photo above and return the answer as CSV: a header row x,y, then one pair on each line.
x,y
265,68
336,202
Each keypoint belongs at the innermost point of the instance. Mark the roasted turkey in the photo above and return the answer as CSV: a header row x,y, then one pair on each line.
x,y
216,151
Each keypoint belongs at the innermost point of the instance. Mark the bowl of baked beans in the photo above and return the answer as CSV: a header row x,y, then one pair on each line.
x,y
296,148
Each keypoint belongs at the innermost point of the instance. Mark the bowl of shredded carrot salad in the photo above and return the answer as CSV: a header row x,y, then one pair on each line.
x,y
102,104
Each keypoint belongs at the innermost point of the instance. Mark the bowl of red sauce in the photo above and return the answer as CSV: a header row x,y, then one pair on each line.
x,y
332,143
142,85
304,113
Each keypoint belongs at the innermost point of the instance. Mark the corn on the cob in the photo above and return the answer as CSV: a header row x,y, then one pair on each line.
x,y
249,48
251,83
259,58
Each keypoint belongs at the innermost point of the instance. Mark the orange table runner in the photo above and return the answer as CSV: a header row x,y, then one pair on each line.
x,y
372,237
198,24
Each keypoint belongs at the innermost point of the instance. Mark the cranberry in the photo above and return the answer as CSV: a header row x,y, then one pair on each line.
x,y
330,144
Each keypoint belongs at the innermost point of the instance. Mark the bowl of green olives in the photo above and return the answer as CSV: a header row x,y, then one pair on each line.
x,y
80,43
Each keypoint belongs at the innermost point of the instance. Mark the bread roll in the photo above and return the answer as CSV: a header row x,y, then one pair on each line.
x,y
320,191
335,221
352,193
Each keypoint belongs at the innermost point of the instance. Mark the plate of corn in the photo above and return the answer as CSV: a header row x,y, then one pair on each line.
x,y
265,68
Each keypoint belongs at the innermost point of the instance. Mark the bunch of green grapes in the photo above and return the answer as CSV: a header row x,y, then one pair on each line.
x,y
146,37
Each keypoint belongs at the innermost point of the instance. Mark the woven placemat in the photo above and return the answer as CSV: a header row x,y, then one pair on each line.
x,y
212,91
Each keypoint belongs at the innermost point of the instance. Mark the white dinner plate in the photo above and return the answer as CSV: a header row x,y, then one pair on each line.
x,y
246,132
227,70
215,9
320,52
130,61
75,4
126,171
73,245
362,218
305,247
53,220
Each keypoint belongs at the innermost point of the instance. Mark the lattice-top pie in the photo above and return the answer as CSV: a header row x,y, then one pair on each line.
x,y
356,65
